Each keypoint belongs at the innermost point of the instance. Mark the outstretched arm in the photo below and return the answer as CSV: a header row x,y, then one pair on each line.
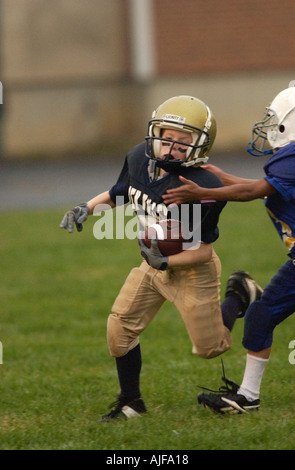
x,y
245,191
226,178
79,214
103,198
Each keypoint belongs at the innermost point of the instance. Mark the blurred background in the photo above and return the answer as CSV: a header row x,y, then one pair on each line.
x,y
81,79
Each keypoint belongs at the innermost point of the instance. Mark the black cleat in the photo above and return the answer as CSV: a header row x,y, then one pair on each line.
x,y
227,399
245,287
227,403
124,408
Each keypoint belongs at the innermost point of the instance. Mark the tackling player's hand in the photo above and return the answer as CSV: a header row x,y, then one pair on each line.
x,y
188,191
152,255
77,215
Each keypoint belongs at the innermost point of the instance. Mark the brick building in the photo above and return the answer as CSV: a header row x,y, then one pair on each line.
x,y
84,77
234,36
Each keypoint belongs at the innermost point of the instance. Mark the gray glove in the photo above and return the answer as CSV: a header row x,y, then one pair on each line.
x,y
77,215
152,255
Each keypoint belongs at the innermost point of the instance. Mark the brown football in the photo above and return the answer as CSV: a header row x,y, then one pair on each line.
x,y
170,235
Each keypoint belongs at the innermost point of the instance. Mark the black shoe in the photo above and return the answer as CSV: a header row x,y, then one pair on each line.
x,y
227,399
245,287
124,408
227,403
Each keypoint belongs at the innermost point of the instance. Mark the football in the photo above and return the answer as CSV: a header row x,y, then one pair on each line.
x,y
170,235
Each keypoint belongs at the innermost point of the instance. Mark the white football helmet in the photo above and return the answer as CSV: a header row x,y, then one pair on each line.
x,y
277,127
186,114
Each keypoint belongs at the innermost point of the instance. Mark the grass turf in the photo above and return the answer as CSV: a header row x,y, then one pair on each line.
x,y
57,377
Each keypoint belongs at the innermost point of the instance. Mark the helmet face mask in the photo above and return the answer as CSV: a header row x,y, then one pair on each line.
x,y
259,144
200,139
188,115
277,128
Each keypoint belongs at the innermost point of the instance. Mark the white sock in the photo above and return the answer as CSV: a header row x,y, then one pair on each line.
x,y
250,387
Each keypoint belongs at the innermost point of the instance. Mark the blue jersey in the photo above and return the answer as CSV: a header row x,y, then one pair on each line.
x,y
280,173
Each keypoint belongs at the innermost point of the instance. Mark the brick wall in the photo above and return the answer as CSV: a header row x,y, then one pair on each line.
x,y
67,69
209,36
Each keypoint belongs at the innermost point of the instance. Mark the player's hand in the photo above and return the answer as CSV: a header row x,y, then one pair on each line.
x,y
188,191
78,215
152,255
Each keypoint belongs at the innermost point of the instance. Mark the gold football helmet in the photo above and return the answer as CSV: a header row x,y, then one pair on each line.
x,y
186,114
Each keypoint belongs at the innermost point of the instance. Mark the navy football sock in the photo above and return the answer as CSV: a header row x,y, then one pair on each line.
x,y
230,308
129,367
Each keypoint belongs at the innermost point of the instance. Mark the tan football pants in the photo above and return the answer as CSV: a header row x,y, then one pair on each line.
x,y
195,291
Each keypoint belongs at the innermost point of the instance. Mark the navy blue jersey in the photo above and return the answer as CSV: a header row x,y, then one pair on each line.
x,y
134,186
280,173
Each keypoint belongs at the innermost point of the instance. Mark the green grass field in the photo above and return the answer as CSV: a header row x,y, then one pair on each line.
x,y
57,377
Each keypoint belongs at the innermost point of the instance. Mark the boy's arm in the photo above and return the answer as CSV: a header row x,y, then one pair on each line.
x,y
245,191
154,257
226,178
200,255
103,198
79,214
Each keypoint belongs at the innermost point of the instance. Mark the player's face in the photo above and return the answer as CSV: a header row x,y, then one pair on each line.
x,y
175,150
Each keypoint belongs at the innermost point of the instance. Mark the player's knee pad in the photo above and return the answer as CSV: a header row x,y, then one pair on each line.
x,y
258,327
120,341
114,336
209,352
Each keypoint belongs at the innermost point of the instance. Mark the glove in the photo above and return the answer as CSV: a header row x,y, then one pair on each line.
x,y
78,214
152,255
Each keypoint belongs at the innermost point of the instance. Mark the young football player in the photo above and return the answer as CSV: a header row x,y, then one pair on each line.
x,y
180,134
274,135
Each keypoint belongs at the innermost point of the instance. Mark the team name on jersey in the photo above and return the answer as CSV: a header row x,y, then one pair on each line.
x,y
142,202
